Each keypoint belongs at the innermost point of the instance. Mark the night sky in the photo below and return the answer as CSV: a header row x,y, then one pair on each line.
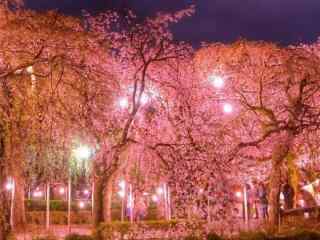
x,y
280,21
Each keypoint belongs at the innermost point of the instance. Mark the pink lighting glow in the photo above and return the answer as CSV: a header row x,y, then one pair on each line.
x,y
121,193
123,103
37,194
82,152
238,194
227,108
216,81
86,191
9,186
155,198
61,190
81,204
122,184
159,190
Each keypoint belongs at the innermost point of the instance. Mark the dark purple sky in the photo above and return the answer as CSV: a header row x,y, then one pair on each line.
x,y
281,21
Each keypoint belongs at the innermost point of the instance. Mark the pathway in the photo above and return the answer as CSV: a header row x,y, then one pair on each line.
x,y
55,230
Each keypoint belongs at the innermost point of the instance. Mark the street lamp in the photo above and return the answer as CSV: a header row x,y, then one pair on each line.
x,y
216,81
238,194
86,192
10,186
123,103
122,184
83,152
61,190
227,108
159,190
122,194
155,198
81,204
38,194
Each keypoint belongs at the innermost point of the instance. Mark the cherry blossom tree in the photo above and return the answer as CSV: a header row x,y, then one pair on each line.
x,y
275,93
187,131
136,48
51,71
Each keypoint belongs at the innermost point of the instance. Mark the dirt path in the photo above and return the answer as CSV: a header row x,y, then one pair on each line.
x,y
58,231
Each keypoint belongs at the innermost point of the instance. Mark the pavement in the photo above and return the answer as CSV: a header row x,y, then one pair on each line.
x,y
58,231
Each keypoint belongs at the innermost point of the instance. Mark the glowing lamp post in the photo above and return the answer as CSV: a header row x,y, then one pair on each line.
x,y
81,205
155,198
10,186
37,194
216,81
159,190
122,194
86,192
81,153
61,191
238,194
227,108
123,103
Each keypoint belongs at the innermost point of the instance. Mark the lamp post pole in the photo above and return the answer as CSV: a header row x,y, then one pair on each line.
x,y
92,199
122,208
13,189
69,202
169,203
245,202
48,207
131,203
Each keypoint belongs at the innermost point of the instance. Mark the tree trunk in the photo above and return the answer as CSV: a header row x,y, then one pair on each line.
x,y
4,200
4,210
98,201
279,154
275,185
107,193
19,217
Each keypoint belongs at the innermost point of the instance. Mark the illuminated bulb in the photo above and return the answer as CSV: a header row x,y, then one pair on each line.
x,y
29,69
82,152
123,103
9,186
155,198
216,81
238,194
227,108
122,184
145,194
201,190
122,194
61,190
81,204
86,191
281,196
159,190
37,194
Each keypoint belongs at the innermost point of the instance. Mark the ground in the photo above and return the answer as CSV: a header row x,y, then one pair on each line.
x,y
58,231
